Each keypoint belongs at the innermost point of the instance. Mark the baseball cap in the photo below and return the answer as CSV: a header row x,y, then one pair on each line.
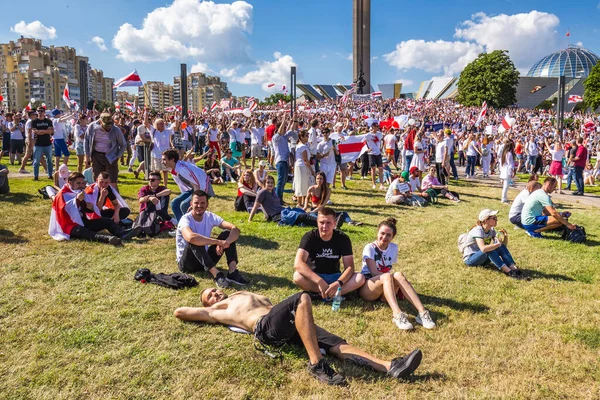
x,y
404,175
485,214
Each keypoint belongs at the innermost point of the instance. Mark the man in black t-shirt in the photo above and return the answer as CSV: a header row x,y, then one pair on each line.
x,y
571,155
43,131
318,257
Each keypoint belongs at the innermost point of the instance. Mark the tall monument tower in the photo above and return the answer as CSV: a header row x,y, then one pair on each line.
x,y
361,43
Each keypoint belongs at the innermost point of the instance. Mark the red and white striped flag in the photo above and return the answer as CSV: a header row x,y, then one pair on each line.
x,y
133,79
178,108
253,106
130,106
213,106
281,103
481,113
270,85
250,99
575,99
507,123
376,94
204,110
350,148
225,104
66,97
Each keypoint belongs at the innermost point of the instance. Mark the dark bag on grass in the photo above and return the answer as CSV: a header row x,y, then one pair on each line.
x,y
149,223
174,281
239,204
576,235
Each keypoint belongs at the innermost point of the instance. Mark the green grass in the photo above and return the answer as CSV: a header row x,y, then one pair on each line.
x,y
75,324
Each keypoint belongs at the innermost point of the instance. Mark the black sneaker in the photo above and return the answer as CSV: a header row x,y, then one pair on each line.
x,y
404,366
130,234
516,274
237,278
324,373
221,281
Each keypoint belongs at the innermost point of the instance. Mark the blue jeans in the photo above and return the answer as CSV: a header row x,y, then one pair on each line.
x,y
570,177
499,257
579,179
181,203
282,175
407,160
471,161
453,166
38,152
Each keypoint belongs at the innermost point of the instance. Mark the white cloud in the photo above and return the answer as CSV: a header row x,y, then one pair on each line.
x,y
405,82
580,44
348,56
277,72
34,29
201,67
189,28
228,73
374,58
449,57
527,37
98,41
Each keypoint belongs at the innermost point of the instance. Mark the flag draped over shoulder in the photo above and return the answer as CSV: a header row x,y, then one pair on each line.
x,y
65,214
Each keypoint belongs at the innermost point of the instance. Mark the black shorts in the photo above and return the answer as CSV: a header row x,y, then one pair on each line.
x,y
278,327
375,160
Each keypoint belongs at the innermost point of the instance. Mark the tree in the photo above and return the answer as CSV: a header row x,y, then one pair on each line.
x,y
491,77
274,98
591,86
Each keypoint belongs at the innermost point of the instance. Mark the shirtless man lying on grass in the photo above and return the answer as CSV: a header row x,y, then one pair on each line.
x,y
291,321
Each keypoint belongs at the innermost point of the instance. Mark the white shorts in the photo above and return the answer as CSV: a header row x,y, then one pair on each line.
x,y
157,165
329,171
256,151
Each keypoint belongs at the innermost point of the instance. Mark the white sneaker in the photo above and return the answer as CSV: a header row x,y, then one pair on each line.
x,y
374,187
402,321
425,319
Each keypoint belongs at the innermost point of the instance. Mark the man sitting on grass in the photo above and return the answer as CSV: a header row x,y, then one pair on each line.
x,y
317,261
291,321
198,251
107,198
75,215
539,215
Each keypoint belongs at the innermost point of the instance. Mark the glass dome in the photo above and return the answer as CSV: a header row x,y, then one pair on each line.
x,y
573,61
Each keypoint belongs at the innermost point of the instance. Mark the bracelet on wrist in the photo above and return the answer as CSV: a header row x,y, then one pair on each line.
x,y
340,283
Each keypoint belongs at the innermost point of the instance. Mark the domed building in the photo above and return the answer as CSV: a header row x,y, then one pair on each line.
x,y
573,62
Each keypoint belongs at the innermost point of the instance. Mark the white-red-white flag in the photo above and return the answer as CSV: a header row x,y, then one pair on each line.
x,y
253,106
351,148
481,113
66,96
575,99
133,79
213,106
250,99
204,110
130,106
376,94
507,123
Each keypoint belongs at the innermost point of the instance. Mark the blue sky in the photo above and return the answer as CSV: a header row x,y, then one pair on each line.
x,y
252,43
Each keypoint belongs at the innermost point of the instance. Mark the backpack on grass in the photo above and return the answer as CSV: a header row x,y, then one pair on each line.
x,y
576,235
462,242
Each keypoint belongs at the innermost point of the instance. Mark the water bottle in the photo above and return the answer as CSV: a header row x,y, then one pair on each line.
x,y
337,300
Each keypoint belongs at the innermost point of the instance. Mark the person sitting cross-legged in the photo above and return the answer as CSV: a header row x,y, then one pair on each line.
x,y
291,321
198,251
317,263
379,258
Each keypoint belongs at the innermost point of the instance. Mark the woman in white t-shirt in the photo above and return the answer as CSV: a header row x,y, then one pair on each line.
x,y
378,259
507,168
471,150
418,159
213,139
302,170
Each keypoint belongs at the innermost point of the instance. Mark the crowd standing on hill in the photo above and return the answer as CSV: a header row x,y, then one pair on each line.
x,y
317,149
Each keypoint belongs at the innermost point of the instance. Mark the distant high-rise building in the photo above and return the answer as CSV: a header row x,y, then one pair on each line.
x,y
156,95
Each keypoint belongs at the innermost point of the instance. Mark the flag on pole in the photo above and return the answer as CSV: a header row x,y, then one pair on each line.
x,y
250,99
376,94
253,106
130,106
507,123
351,148
66,97
270,85
204,110
213,106
133,79
75,105
481,113
575,99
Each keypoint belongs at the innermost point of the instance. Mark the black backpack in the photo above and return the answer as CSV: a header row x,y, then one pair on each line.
x,y
576,235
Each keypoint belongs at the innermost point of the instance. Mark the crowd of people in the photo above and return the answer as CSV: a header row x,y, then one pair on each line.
x,y
317,149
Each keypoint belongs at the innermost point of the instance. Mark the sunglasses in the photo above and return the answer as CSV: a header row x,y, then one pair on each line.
x,y
496,218
153,179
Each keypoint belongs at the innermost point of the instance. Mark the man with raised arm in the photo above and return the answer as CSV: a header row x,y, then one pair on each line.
x,y
291,321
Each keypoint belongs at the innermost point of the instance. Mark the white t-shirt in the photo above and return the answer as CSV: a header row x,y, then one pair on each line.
x,y
202,129
390,141
213,135
440,149
301,148
314,135
532,148
373,142
557,155
257,135
415,183
236,135
186,173
477,232
60,129
471,149
187,133
384,259
17,134
79,133
517,205
204,228
322,148
28,132
161,141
